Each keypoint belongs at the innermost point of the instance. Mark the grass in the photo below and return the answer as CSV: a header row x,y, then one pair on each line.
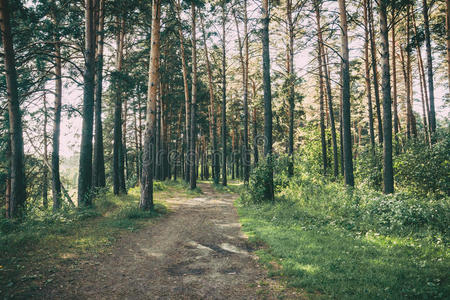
x,y
31,250
233,186
315,240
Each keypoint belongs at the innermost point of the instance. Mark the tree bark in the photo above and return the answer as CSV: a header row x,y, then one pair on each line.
x,y
136,143
255,129
367,77
146,199
56,181
388,172
17,195
85,167
447,26
193,135
423,85
98,172
45,170
118,155
291,91
394,75
373,51
324,63
429,67
322,114
213,136
186,89
265,18
243,55
224,97
347,138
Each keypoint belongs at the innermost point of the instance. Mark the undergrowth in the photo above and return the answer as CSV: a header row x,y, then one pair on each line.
x,y
30,248
336,242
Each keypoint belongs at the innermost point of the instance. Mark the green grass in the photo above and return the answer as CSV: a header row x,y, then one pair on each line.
x,y
233,186
31,250
309,248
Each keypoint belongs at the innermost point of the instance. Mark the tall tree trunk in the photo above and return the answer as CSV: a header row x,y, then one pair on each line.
x,y
411,117
407,89
213,136
156,159
17,196
324,63
164,125
347,138
118,155
56,181
186,89
394,75
291,91
322,114
233,149
447,26
136,143
85,167
193,135
140,135
178,137
388,172
224,97
429,67
98,172
341,122
423,85
146,199
367,69
8,180
243,55
265,18
45,170
373,52
255,138
124,138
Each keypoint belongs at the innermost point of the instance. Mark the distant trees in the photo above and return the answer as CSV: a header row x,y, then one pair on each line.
x,y
212,101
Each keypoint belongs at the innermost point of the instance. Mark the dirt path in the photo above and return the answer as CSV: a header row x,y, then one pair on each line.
x,y
196,252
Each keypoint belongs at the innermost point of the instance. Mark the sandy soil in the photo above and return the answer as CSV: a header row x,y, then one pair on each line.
x,y
197,251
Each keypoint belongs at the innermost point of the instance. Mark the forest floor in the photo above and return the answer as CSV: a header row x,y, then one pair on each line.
x,y
196,251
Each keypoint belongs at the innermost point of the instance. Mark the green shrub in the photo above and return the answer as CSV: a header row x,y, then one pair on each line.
x,y
424,170
259,187
369,168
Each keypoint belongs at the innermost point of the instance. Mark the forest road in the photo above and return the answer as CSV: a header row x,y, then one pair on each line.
x,y
197,251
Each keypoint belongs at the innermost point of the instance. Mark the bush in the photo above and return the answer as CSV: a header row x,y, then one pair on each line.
x,y
369,168
425,171
259,187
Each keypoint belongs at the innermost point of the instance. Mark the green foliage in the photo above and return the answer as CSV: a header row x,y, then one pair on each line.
x,y
424,170
327,239
351,243
133,212
258,182
369,168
